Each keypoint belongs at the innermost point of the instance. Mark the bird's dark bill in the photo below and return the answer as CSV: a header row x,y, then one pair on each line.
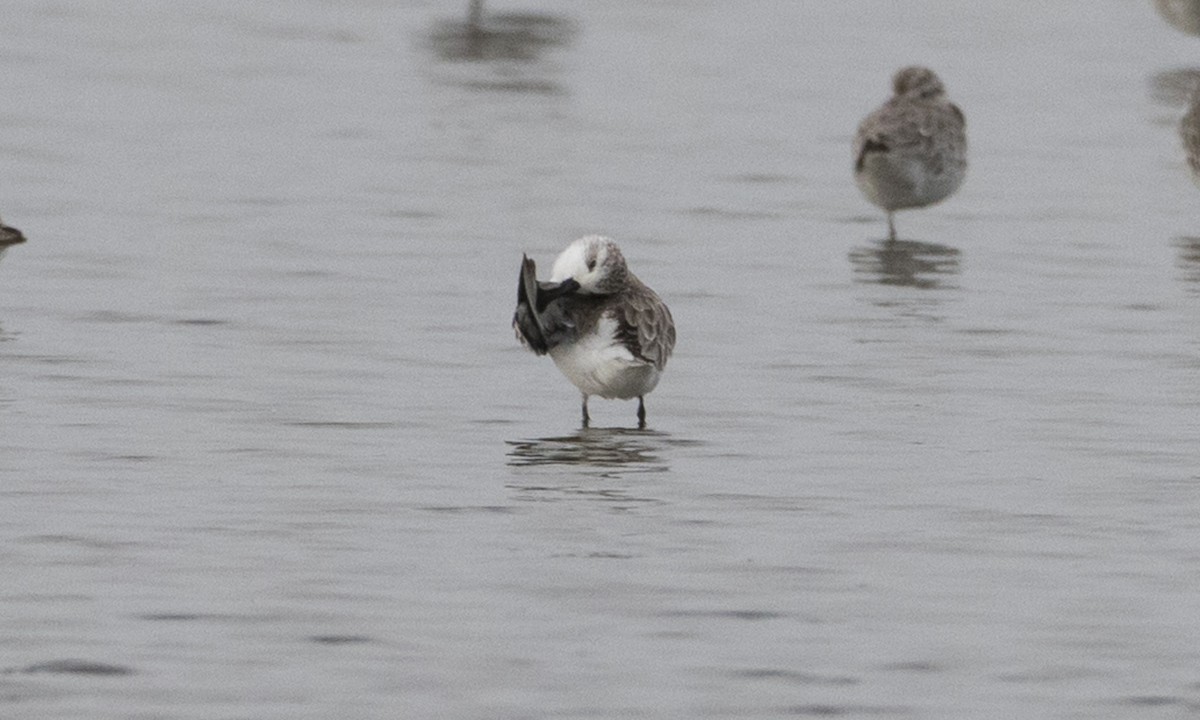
x,y
549,292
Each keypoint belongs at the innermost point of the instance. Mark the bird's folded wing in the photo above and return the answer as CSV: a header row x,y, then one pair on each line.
x,y
655,328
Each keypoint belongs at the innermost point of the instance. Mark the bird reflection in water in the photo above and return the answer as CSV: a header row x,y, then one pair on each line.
x,y
484,36
907,263
598,448
592,464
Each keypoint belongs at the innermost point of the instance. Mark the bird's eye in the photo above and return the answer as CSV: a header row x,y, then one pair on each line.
x,y
591,264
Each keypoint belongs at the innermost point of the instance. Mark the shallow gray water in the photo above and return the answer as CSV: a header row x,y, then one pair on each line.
x,y
270,449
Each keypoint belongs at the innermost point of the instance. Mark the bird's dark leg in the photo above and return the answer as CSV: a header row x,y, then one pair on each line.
x,y
641,413
891,226
585,412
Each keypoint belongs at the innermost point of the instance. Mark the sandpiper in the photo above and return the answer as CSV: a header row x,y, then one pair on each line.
x,y
9,236
605,330
1189,130
912,151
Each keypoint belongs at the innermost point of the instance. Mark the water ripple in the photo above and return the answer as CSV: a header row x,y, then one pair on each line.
x,y
76,667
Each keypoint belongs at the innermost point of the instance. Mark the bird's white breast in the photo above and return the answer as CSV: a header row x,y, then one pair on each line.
x,y
600,365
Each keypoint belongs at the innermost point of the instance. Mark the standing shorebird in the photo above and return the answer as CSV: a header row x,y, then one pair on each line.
x,y
912,151
1189,131
9,236
605,330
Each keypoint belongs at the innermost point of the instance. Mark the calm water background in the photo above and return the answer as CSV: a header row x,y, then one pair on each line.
x,y
270,450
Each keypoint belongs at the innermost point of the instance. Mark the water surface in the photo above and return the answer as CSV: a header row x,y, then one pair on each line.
x,y
271,450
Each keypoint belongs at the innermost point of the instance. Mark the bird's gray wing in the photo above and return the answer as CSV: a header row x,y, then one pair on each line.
x,y
646,326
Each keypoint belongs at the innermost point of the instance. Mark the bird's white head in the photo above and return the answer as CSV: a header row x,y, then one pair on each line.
x,y
595,262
